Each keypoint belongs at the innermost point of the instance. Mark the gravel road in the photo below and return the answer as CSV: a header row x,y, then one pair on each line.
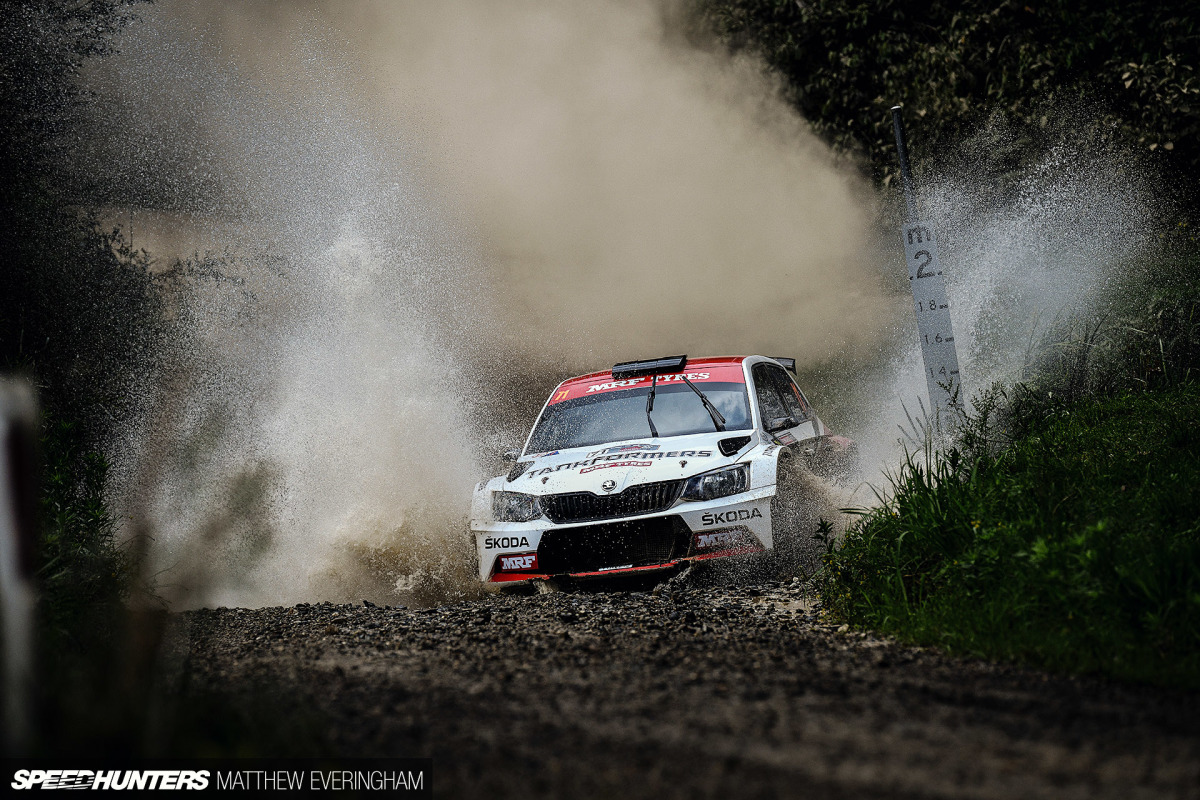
x,y
688,692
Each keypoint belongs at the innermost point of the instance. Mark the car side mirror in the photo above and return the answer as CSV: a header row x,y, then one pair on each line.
x,y
779,423
511,455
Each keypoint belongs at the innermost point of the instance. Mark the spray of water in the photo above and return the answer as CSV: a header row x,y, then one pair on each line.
x,y
396,207
1026,251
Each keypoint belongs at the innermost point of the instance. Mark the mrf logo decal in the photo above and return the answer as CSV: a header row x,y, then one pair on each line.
x,y
519,563
731,541
707,541
727,517
591,385
691,376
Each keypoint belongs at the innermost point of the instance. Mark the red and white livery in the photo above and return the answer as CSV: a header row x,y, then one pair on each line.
x,y
650,466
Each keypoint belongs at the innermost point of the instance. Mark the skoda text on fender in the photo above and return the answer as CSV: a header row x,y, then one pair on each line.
x,y
652,465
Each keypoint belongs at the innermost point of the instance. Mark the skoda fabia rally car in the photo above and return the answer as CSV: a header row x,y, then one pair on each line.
x,y
651,466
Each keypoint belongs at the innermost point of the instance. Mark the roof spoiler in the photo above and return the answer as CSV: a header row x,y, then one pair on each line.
x,y
788,363
653,366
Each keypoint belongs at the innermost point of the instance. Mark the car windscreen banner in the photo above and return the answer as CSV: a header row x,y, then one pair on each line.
x,y
593,385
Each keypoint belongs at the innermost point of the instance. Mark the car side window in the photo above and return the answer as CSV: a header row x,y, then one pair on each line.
x,y
794,399
771,403
778,395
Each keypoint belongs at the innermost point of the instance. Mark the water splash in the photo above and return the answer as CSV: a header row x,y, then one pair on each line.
x,y
394,209
1026,251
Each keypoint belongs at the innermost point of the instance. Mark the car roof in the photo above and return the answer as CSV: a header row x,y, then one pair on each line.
x,y
692,365
719,364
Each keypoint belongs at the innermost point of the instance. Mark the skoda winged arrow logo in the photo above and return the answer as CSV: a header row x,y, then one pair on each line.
x,y
608,485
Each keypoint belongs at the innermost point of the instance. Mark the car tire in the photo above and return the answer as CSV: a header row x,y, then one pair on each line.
x,y
794,520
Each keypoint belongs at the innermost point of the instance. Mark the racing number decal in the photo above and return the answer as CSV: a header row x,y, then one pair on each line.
x,y
562,395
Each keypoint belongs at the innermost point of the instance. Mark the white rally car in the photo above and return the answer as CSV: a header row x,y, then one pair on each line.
x,y
650,466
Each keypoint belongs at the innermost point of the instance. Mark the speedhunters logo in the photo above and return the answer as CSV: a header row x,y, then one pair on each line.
x,y
138,780
358,776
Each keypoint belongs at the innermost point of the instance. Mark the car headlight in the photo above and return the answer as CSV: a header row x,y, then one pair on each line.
x,y
718,483
515,507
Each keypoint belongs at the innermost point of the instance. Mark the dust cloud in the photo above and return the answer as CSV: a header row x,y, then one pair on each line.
x,y
633,193
388,207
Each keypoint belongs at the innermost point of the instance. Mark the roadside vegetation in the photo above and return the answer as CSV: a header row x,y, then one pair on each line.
x,y
1117,74
80,314
1061,525
1076,547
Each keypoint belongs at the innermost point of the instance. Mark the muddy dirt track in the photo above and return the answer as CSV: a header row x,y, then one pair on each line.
x,y
681,692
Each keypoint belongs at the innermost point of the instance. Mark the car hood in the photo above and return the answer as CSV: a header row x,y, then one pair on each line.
x,y
588,469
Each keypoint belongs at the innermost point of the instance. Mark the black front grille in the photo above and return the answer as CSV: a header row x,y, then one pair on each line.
x,y
591,548
644,498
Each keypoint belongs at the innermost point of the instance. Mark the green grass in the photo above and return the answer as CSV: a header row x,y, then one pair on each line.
x,y
1076,548
83,573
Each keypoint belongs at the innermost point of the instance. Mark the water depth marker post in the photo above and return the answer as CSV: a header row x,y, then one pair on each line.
x,y
929,292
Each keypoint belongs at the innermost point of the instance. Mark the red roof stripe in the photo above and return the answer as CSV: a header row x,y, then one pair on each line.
x,y
700,370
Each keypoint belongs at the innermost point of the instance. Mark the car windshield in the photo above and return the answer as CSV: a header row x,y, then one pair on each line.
x,y
621,415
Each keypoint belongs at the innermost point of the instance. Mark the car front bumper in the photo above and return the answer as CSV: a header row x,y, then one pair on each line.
x,y
514,553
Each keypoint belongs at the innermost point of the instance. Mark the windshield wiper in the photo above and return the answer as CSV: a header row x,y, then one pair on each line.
x,y
717,419
650,405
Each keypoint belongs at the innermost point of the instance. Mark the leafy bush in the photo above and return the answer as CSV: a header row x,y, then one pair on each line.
x,y
1131,65
82,572
80,314
1115,350
1076,547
